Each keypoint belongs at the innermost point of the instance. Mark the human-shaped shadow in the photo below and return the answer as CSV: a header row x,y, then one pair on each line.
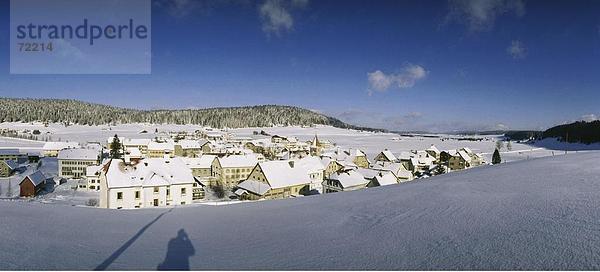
x,y
179,251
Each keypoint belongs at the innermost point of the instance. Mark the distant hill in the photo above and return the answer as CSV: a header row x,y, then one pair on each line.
x,y
84,113
578,132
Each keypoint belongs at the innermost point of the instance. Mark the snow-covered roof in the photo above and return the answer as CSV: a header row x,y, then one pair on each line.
x,y
11,164
205,161
237,161
349,179
312,164
388,155
253,186
136,142
36,178
133,152
92,170
282,174
464,155
78,154
386,178
368,173
433,149
397,169
240,192
148,173
9,151
161,146
189,144
60,145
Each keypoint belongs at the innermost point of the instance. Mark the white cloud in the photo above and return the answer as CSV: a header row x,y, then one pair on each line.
x,y
276,15
407,78
480,15
517,50
590,117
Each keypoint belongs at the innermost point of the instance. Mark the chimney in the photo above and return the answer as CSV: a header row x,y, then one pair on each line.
x,y
291,164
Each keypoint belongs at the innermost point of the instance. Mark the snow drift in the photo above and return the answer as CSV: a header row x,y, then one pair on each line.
x,y
538,214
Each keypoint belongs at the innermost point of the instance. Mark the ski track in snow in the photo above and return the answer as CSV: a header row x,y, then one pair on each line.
x,y
537,214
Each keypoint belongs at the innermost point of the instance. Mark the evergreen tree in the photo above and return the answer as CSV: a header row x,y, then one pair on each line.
x,y
115,148
496,157
509,146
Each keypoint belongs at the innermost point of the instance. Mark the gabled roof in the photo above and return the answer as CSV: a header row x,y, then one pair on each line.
x,y
36,178
386,178
189,144
93,170
253,186
237,161
148,173
349,179
78,154
464,155
12,165
136,142
59,145
281,174
388,155
9,151
433,149
161,146
205,161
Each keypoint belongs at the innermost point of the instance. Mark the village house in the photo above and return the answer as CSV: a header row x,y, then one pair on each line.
x,y
382,179
189,148
230,170
32,184
345,181
92,178
461,159
433,152
161,150
51,149
385,156
72,163
277,179
202,168
146,183
198,190
139,144
12,155
7,168
397,169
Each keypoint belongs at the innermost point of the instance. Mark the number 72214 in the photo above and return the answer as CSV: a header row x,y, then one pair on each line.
x,y
35,47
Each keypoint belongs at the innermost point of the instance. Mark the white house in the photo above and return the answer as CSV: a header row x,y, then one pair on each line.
x,y
145,183
72,163
345,181
51,149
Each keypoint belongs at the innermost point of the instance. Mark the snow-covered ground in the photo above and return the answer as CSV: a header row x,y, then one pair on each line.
x,y
370,143
539,214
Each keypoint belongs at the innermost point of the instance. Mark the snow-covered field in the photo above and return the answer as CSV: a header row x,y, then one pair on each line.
x,y
539,214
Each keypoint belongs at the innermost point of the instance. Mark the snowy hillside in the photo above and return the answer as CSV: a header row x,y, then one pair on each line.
x,y
532,214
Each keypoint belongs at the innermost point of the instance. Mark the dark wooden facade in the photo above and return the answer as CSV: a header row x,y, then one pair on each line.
x,y
28,189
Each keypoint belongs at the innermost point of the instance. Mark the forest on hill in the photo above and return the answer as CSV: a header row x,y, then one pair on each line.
x,y
77,112
578,132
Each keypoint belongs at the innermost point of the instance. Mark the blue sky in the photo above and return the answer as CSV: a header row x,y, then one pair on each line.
x,y
405,65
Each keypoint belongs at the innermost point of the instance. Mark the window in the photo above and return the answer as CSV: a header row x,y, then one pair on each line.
x,y
168,192
156,190
182,191
119,195
137,194
183,203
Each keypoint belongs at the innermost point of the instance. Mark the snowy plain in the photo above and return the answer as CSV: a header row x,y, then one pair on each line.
x,y
538,214
371,143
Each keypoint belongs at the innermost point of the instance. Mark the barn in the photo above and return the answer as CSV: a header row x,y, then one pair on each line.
x,y
32,184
